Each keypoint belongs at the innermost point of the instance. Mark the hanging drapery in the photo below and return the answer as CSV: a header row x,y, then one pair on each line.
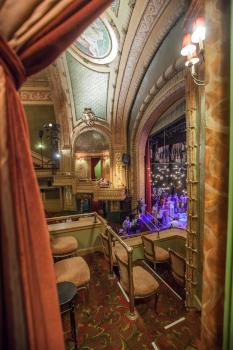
x,y
94,170
148,177
32,34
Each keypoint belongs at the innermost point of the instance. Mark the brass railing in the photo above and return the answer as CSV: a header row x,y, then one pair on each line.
x,y
58,219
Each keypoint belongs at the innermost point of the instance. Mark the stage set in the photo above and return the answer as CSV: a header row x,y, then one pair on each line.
x,y
166,192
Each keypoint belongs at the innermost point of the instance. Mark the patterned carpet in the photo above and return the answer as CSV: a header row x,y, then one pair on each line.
x,y
103,323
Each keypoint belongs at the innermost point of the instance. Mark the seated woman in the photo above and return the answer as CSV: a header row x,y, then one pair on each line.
x,y
160,215
133,225
126,225
154,210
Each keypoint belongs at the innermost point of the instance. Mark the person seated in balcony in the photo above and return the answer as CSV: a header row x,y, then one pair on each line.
x,y
154,210
160,216
126,225
138,223
133,225
139,206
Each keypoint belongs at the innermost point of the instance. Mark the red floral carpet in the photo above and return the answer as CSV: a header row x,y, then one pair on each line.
x,y
103,322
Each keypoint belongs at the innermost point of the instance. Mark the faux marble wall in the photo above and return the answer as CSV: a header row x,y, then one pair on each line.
x,y
216,170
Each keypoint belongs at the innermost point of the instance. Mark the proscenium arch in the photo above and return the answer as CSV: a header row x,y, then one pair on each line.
x,y
142,132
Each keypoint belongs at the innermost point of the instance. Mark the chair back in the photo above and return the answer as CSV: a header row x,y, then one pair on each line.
x,y
125,271
106,246
178,267
148,246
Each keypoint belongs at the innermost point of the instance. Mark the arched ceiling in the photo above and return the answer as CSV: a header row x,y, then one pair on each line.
x,y
91,63
112,66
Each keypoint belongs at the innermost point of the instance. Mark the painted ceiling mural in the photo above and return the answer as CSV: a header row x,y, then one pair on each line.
x,y
95,41
91,141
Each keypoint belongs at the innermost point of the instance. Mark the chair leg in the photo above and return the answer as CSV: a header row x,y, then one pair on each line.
x,y
87,294
73,326
156,302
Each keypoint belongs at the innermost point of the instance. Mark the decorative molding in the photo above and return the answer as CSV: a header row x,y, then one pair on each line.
x,y
169,87
61,101
115,7
115,194
150,36
151,14
42,97
166,97
170,116
193,228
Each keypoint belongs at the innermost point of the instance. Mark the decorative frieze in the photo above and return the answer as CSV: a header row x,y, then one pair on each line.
x,y
36,97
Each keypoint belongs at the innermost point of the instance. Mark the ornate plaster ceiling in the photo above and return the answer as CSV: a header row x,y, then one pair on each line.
x,y
91,63
115,89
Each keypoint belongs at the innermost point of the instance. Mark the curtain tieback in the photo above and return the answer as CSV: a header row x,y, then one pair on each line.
x,y
11,63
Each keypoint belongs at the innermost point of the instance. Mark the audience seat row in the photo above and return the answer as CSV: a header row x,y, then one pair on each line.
x,y
138,281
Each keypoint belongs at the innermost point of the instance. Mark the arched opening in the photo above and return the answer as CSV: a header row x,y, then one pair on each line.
x,y
92,169
92,162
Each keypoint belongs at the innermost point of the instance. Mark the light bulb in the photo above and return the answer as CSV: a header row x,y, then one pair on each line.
x,y
199,30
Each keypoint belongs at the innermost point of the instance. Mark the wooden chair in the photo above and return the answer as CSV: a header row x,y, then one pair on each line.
x,y
178,267
63,247
110,250
153,253
136,281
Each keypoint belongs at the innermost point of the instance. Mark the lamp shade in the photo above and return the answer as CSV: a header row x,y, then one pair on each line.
x,y
187,46
199,30
192,59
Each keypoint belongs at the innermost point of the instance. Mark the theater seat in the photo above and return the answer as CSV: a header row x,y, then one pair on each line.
x,y
178,267
120,252
73,270
153,253
63,246
137,281
144,283
110,249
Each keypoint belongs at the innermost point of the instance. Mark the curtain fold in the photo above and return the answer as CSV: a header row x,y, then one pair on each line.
x,y
32,317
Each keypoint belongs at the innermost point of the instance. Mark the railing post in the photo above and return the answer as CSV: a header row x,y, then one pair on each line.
x,y
131,313
111,275
95,218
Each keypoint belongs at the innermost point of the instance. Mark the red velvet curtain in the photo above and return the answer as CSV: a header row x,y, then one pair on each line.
x,y
148,177
30,317
94,162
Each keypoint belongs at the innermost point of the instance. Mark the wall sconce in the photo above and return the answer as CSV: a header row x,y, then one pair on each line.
x,y
89,117
193,47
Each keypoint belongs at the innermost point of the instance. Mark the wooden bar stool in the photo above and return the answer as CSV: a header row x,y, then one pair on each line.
x,y
74,270
63,247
